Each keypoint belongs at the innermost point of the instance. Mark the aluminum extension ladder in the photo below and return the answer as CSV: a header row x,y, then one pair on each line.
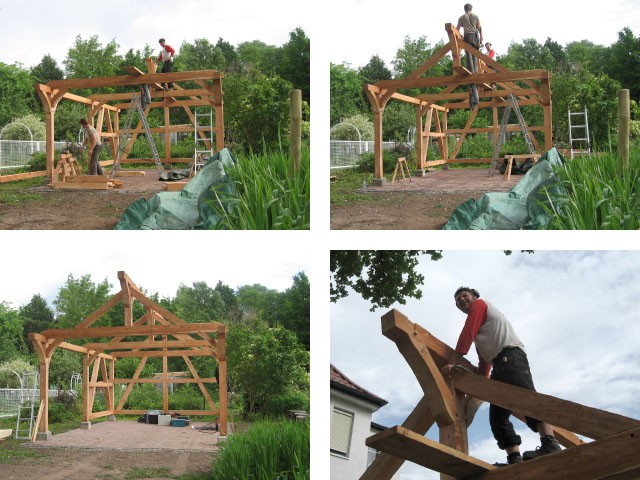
x,y
203,123
25,416
512,103
125,136
582,131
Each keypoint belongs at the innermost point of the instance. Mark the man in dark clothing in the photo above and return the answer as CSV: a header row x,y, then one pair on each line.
x,y
473,36
499,347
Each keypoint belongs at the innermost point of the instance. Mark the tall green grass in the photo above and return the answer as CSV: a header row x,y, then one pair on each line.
x,y
597,196
270,195
269,450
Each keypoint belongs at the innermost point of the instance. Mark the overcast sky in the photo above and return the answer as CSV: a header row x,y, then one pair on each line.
x,y
361,29
40,263
575,311
32,29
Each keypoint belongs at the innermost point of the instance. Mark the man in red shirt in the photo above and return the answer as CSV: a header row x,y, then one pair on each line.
x,y
502,353
166,57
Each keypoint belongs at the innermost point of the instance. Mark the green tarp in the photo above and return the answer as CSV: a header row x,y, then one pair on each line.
x,y
188,209
519,208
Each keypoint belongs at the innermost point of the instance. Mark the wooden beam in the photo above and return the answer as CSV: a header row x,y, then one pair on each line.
x,y
610,458
587,421
96,332
495,77
442,403
404,443
122,345
134,79
386,465
161,354
136,375
159,380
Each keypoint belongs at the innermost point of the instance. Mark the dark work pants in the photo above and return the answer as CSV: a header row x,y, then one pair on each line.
x,y
167,67
472,65
94,162
510,366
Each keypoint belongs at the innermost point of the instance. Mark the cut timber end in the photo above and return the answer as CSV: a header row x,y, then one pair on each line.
x,y
392,321
404,443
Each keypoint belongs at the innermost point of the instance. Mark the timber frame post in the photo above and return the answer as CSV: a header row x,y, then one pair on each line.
x,y
165,336
612,454
494,83
103,110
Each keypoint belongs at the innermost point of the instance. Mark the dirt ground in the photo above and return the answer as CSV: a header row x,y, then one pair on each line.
x,y
424,203
55,209
114,450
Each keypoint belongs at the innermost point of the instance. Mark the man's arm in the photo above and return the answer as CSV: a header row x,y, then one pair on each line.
x,y
479,27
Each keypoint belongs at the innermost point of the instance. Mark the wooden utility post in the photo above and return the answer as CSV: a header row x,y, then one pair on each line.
x,y
624,116
295,140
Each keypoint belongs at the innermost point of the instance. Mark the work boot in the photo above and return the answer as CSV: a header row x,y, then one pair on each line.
x,y
512,458
547,445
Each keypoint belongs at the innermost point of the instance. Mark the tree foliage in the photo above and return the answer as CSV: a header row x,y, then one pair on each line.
x,y
382,276
12,342
17,96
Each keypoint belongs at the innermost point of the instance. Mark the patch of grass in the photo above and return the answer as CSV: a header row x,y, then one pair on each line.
x,y
343,188
18,192
12,451
148,472
108,211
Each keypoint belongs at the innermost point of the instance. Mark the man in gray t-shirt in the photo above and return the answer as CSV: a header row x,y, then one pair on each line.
x,y
92,138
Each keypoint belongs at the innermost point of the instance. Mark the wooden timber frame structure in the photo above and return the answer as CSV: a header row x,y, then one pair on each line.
x,y
494,82
157,333
103,110
613,455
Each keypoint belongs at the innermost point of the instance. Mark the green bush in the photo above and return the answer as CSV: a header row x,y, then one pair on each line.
x,y
389,160
143,397
270,450
63,408
186,397
38,162
279,405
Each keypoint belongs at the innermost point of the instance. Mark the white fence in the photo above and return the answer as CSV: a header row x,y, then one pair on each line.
x,y
17,153
10,399
346,153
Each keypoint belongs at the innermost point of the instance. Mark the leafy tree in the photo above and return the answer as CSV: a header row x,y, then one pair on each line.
x,y
258,56
347,98
382,276
11,333
258,301
257,109
78,298
17,96
68,115
231,60
64,363
295,63
47,70
88,58
200,55
296,309
137,58
232,313
264,362
585,55
558,54
399,117
624,62
528,55
126,368
375,70
36,316
199,303
413,53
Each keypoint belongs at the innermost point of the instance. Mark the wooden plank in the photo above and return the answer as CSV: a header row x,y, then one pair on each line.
x,y
385,465
96,332
587,421
404,443
88,179
131,173
591,461
80,186
22,176
183,412
37,424
121,345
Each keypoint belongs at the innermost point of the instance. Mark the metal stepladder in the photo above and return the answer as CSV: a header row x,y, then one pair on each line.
x,y
512,103
583,143
203,135
25,416
125,135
